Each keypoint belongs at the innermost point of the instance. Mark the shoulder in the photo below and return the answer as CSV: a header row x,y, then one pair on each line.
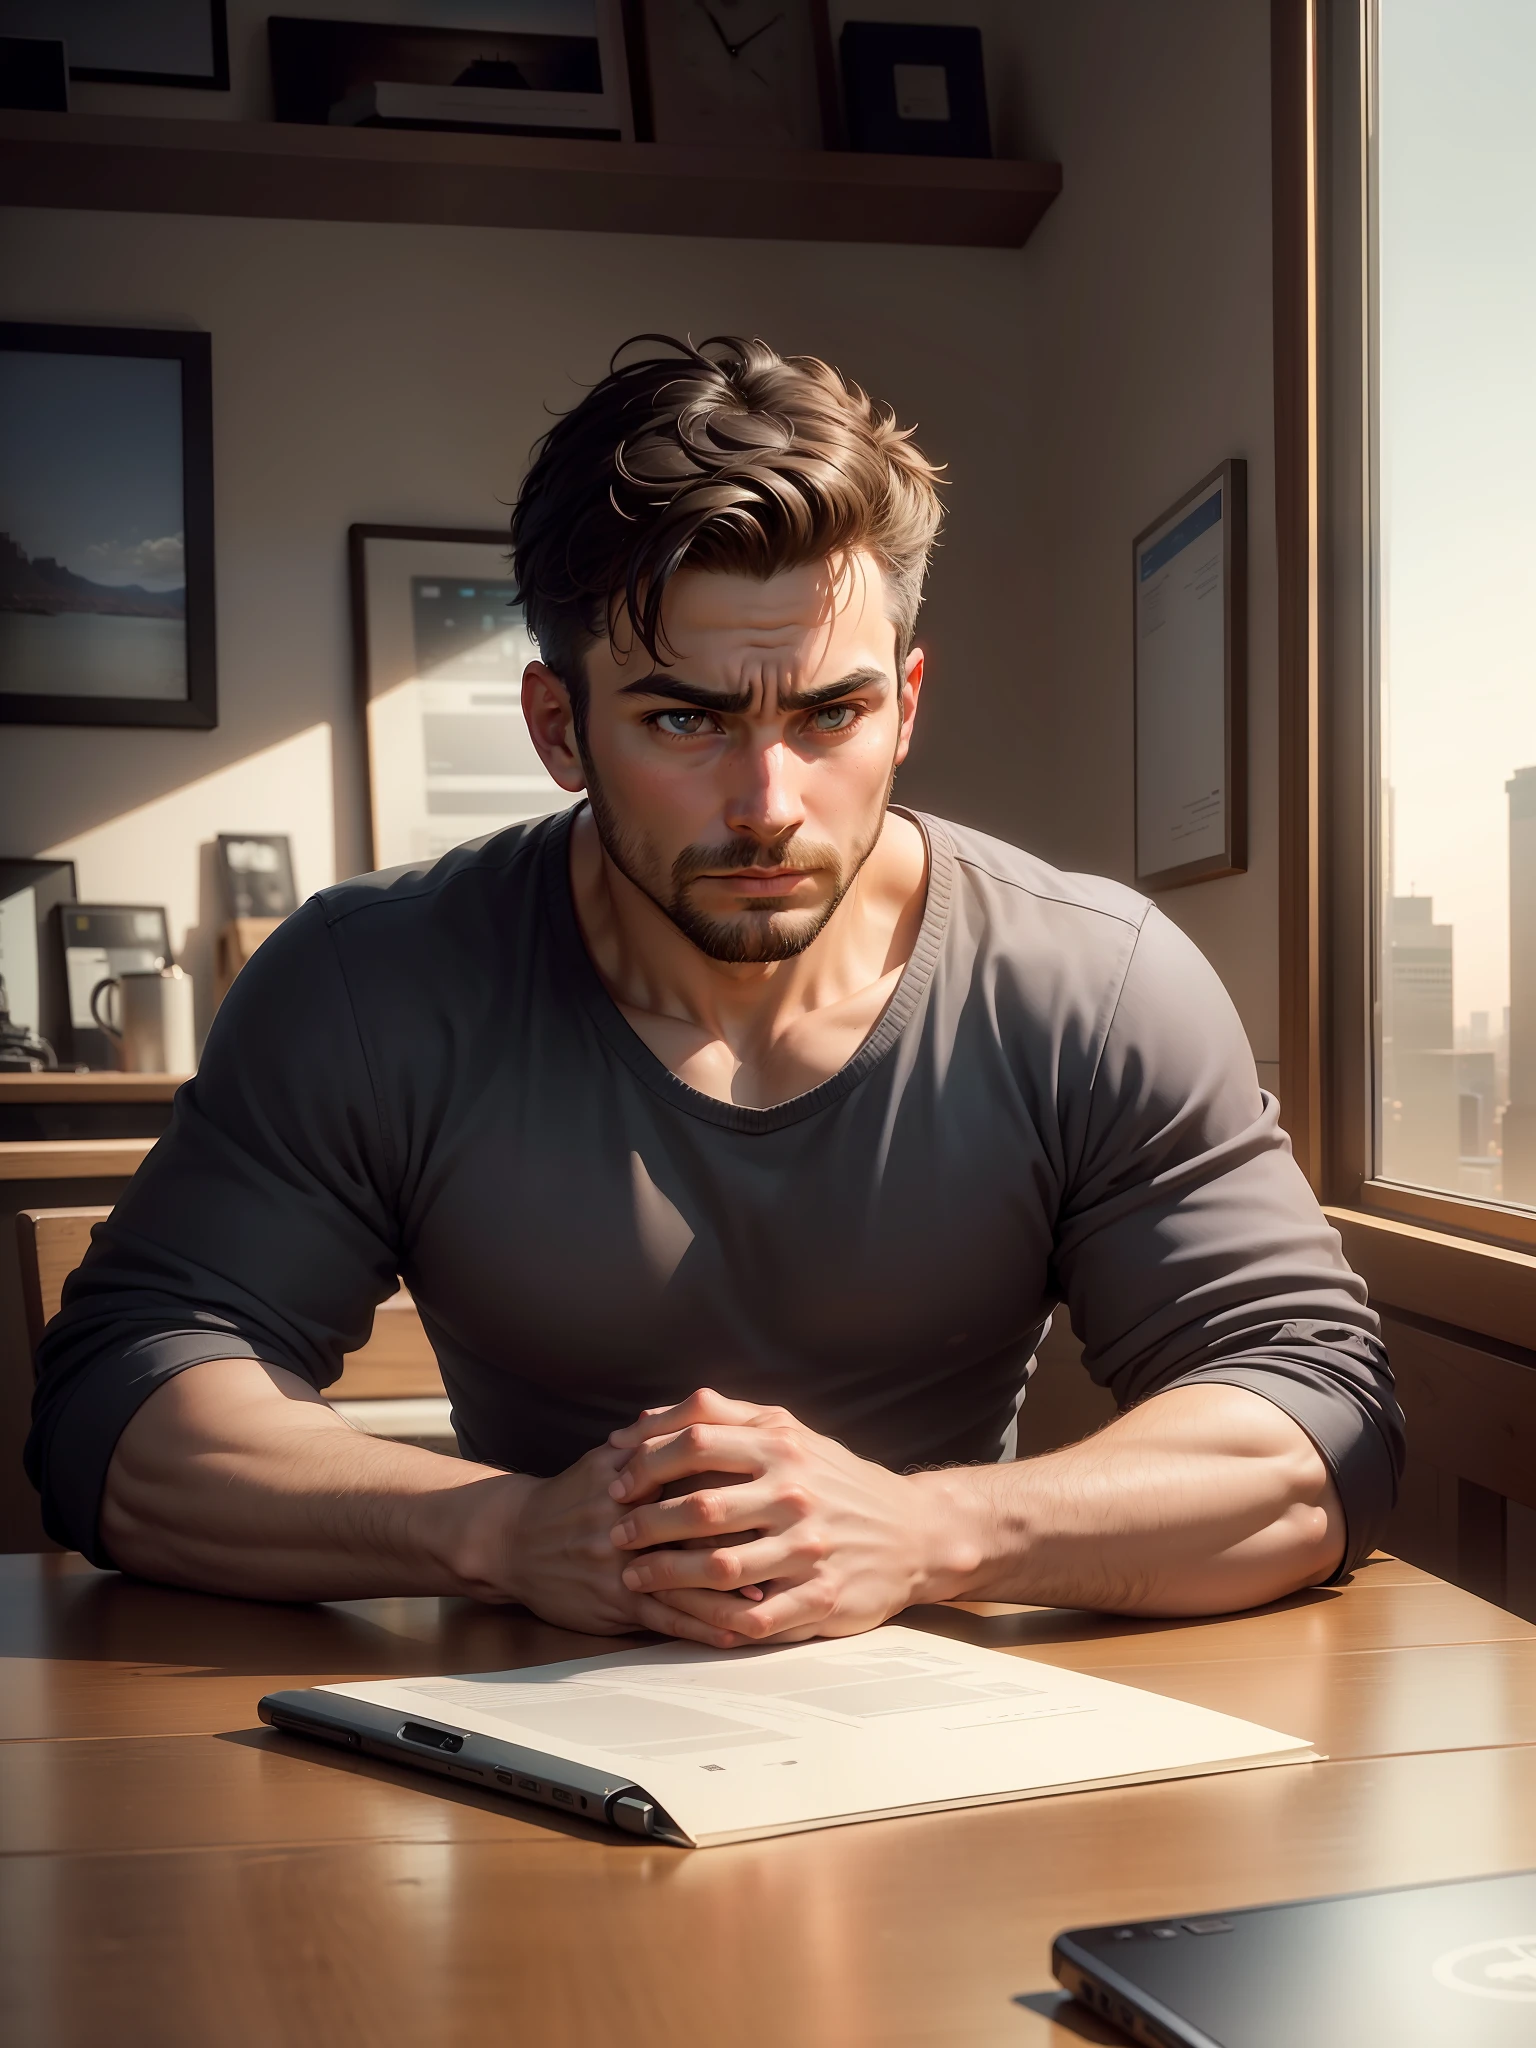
x,y
1016,884
401,946
1079,962
482,873
1061,941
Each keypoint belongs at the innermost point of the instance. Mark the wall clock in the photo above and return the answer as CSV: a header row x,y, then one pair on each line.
x,y
742,73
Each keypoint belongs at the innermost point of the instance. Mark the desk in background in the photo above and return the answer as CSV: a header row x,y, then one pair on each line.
x,y
172,1874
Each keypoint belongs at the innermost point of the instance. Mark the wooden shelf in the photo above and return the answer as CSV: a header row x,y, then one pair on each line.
x,y
281,171
97,1087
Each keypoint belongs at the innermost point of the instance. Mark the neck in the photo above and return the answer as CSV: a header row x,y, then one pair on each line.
x,y
652,970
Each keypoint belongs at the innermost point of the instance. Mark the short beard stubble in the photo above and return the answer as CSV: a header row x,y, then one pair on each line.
x,y
756,936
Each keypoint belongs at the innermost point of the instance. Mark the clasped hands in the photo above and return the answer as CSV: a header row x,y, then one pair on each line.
x,y
726,1523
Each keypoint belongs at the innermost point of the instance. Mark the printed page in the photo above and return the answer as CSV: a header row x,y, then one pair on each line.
x,y
742,1743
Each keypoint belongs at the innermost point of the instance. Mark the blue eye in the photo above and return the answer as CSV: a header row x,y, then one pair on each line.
x,y
835,717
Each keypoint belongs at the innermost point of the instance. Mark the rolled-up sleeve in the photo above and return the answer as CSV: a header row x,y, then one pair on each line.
x,y
260,1226
1190,1247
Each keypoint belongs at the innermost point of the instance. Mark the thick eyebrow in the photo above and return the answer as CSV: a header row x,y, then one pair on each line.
x,y
677,692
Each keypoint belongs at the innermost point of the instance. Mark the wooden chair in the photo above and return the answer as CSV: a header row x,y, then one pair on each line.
x,y
392,1387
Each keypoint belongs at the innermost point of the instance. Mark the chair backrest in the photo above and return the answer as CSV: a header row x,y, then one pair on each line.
x,y
396,1363
52,1242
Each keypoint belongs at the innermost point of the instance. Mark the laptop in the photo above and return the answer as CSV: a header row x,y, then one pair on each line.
x,y
1420,1967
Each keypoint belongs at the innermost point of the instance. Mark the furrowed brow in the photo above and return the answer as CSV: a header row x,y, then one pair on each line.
x,y
688,693
829,693
673,691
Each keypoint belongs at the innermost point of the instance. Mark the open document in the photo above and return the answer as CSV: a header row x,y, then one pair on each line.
x,y
737,1744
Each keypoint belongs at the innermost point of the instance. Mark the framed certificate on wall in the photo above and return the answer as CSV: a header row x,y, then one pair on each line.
x,y
440,647
1190,597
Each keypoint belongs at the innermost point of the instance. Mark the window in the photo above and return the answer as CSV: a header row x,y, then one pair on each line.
x,y
1451,176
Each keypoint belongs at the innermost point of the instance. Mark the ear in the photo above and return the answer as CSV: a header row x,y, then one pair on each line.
x,y
911,690
552,725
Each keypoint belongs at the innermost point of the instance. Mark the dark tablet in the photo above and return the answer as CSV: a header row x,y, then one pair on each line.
x,y
1423,1967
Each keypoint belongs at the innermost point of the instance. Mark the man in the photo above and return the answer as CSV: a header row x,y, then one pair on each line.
x,y
733,1078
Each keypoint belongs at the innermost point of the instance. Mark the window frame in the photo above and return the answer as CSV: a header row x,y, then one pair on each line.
x,y
1325,261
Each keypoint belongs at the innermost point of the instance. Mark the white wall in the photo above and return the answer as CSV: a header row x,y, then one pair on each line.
x,y
400,374
1146,332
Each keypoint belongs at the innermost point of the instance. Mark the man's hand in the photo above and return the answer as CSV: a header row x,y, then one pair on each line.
x,y
238,1478
558,1558
835,1544
1202,1500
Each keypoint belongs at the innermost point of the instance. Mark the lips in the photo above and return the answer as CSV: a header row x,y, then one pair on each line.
x,y
761,881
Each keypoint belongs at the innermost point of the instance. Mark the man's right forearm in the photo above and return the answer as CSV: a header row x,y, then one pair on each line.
x,y
238,1478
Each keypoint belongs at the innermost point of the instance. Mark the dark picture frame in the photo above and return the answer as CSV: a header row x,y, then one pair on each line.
x,y
573,85
94,31
446,747
38,995
193,353
911,90
1175,698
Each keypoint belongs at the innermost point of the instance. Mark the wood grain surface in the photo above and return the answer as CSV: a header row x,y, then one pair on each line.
x,y
171,1873
94,1087
286,170
72,1158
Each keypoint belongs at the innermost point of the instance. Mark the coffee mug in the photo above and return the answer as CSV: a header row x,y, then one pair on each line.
x,y
153,1030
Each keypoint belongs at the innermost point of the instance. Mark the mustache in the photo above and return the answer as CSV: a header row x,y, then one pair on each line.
x,y
805,854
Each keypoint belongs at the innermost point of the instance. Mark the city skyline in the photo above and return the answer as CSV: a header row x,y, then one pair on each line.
x,y
1458,1101
1457,415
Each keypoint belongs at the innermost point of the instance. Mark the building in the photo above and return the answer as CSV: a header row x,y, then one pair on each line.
x,y
1520,1116
1421,1109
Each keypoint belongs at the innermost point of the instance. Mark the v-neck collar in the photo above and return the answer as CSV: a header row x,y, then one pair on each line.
x,y
621,1035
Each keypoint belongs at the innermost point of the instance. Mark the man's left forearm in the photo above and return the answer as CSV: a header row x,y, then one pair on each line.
x,y
1202,1500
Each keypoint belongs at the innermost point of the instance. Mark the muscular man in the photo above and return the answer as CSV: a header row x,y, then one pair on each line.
x,y
736,1134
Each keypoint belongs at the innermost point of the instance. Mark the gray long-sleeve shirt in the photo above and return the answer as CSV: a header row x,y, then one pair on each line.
x,y
422,1075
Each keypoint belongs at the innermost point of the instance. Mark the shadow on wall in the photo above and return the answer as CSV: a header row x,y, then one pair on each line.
x,y
163,851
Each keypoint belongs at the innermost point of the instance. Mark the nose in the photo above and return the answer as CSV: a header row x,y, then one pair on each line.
x,y
765,801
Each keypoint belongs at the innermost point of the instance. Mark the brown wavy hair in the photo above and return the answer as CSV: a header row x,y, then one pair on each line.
x,y
725,455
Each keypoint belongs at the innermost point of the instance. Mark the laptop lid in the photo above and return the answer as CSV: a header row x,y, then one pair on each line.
x,y
1418,1967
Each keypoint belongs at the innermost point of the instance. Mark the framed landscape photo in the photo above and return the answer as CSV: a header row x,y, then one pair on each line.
x,y
1190,607
132,42
440,646
106,527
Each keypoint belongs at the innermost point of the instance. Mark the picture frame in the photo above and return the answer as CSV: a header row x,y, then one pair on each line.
x,y
31,965
1189,572
911,90
132,42
34,75
522,76
733,73
106,527
256,874
439,648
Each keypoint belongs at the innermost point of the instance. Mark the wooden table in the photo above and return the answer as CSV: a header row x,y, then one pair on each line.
x,y
171,1873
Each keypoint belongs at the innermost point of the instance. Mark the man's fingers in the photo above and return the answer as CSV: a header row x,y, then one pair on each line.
x,y
792,1615
700,1447
728,1570
805,1608
720,1613
666,1620
710,1512
704,1405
